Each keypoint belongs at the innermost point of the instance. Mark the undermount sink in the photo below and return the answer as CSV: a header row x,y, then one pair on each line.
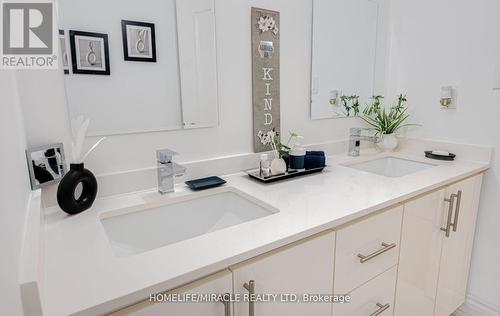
x,y
140,230
391,166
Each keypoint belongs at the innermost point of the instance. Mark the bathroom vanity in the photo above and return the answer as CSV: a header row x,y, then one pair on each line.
x,y
364,259
397,243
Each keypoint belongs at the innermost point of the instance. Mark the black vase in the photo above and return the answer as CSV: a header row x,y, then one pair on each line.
x,y
76,175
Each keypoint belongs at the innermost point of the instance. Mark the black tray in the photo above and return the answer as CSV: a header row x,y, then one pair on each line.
x,y
205,183
255,174
430,155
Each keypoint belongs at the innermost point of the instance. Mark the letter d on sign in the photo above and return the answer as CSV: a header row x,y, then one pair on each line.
x,y
268,119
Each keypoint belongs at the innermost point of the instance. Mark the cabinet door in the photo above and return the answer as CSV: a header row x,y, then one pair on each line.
x,y
457,249
219,283
303,268
420,255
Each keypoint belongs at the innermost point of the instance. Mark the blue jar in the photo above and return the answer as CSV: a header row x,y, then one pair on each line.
x,y
297,158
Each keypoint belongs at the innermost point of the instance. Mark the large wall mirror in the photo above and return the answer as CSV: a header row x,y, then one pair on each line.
x,y
343,57
139,66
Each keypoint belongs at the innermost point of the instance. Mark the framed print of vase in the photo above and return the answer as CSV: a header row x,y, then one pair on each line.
x,y
265,77
89,53
139,43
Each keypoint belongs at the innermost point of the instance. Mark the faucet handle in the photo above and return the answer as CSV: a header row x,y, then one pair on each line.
x,y
165,155
178,170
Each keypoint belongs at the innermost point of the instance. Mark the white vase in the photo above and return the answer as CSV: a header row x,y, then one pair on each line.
x,y
278,166
389,142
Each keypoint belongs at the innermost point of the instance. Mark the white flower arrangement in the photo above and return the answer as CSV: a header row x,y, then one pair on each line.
x,y
267,23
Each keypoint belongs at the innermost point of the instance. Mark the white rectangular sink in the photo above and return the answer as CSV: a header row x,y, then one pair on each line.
x,y
391,166
140,230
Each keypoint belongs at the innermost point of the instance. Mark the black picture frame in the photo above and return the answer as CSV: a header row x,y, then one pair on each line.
x,y
126,53
62,35
74,55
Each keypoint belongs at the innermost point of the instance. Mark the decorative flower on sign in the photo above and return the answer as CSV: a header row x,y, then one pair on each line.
x,y
266,138
267,23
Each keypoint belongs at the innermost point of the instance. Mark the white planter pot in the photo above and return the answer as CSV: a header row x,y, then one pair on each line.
x,y
389,142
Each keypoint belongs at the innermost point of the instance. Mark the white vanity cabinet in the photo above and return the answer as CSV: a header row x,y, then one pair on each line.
x,y
219,283
436,246
408,260
304,268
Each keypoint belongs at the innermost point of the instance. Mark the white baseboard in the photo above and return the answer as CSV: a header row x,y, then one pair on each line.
x,y
476,307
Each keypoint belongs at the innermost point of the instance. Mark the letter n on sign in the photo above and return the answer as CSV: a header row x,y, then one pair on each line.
x,y
265,76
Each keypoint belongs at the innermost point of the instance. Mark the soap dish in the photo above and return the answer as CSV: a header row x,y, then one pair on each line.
x,y
431,155
205,183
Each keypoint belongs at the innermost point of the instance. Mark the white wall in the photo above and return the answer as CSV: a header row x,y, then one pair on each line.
x,y
456,42
234,135
14,194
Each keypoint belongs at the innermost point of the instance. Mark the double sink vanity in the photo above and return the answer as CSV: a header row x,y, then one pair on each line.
x,y
393,231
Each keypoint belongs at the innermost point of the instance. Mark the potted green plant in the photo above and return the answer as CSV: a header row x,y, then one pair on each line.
x,y
387,121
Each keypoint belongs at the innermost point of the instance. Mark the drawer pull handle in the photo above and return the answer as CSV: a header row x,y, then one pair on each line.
x,y
457,210
227,304
381,309
449,223
386,247
250,287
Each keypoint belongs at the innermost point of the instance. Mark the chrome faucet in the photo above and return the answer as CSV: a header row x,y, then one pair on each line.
x,y
355,139
167,170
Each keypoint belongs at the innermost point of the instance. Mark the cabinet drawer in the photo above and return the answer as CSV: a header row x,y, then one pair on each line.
x,y
366,249
375,296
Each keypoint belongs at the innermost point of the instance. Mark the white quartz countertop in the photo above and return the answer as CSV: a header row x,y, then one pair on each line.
x,y
84,277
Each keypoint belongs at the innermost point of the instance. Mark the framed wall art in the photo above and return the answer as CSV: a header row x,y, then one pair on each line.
x,y
139,43
64,51
265,77
46,165
89,53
